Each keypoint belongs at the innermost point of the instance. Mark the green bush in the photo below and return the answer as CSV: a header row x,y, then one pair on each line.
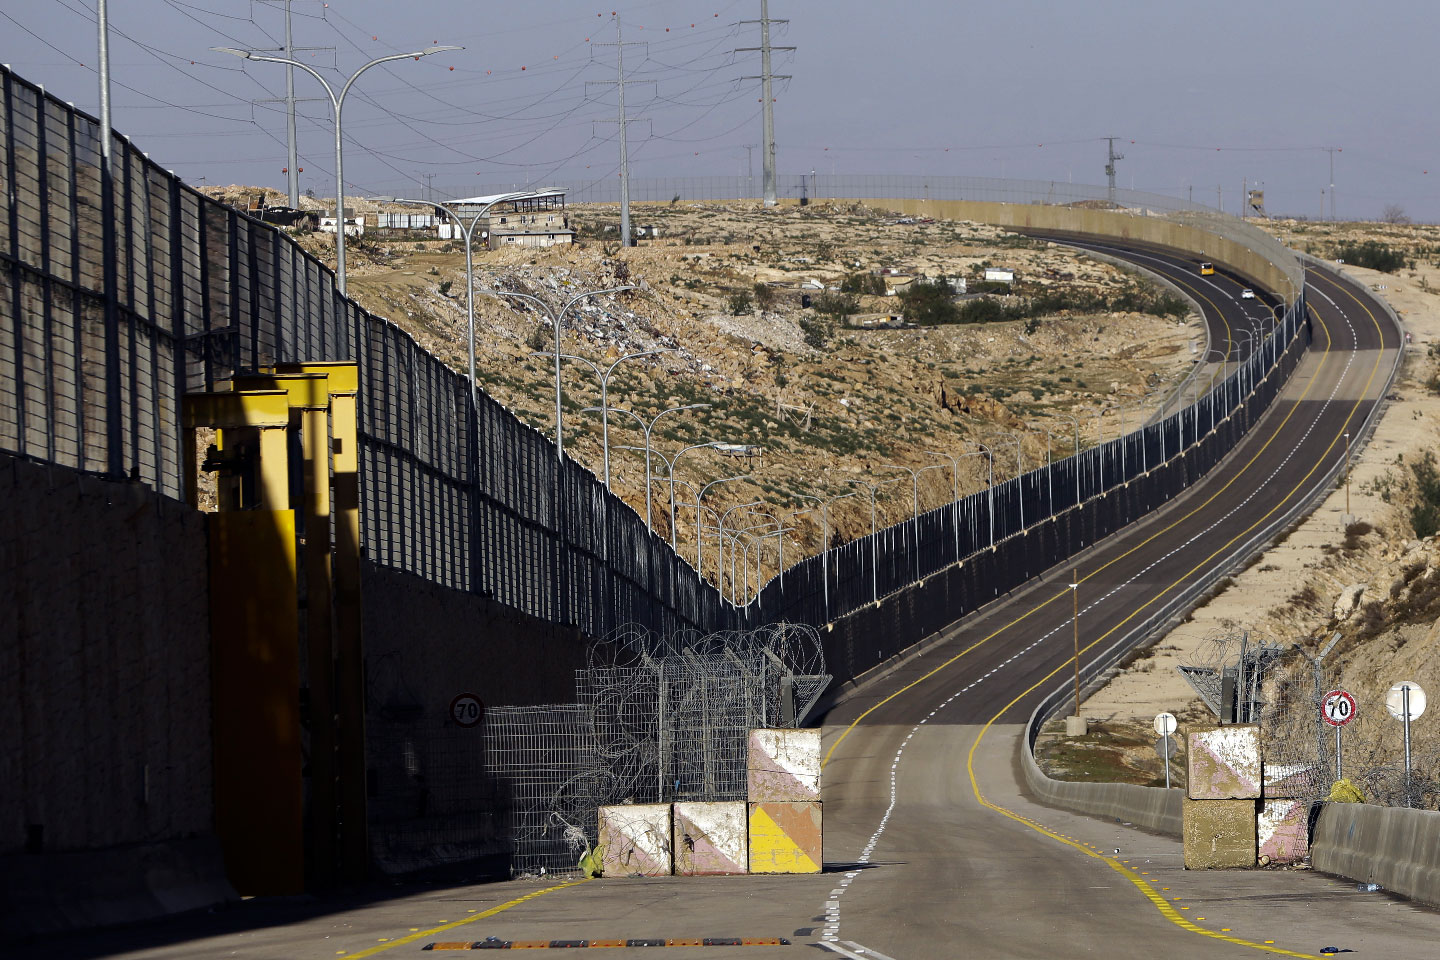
x,y
764,295
1371,254
863,283
741,303
836,306
445,286
1425,512
930,302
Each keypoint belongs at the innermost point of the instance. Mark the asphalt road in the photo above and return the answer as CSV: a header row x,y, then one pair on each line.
x,y
931,849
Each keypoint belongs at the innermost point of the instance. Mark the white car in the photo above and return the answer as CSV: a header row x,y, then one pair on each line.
x,y
1247,294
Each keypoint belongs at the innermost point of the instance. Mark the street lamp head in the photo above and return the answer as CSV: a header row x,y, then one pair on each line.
x,y
429,50
242,54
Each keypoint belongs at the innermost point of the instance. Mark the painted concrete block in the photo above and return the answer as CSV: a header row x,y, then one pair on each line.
x,y
783,765
1219,833
785,837
635,840
711,838
1224,762
1282,830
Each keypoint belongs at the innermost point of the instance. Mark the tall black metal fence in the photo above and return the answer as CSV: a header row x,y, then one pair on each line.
x,y
121,293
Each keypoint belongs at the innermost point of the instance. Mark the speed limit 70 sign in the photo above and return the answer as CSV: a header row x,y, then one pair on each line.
x,y
467,710
1337,708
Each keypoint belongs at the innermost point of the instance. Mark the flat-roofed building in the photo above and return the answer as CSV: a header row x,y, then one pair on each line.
x,y
535,220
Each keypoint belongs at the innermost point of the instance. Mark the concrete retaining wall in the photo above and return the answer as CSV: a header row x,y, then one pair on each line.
x,y
105,751
1397,848
1153,808
1145,229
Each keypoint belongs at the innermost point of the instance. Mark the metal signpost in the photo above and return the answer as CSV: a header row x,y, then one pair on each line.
x,y
1406,702
1166,724
1337,708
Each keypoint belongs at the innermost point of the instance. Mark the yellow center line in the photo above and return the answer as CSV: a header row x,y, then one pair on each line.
x,y
434,931
1279,428
1143,885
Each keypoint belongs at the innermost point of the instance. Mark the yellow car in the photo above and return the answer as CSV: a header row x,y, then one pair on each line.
x,y
1207,269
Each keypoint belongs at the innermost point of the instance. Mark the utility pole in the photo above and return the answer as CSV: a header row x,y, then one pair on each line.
x,y
1332,151
767,98
1219,199
749,166
626,238
429,179
1112,156
292,166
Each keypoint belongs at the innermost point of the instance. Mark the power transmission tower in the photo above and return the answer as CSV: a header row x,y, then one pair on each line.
x,y
1110,166
767,99
292,168
626,238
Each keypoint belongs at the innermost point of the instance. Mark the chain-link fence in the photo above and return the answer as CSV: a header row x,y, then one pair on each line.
x,y
657,720
120,293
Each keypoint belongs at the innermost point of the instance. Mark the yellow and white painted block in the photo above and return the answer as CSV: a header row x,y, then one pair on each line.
x,y
785,837
1224,762
783,765
1218,833
711,838
635,840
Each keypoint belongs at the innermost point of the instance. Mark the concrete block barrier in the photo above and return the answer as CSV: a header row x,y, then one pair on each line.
x,y
1224,762
1153,808
711,838
1219,833
783,766
785,838
635,840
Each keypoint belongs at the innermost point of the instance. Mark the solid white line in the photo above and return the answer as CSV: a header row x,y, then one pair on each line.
x,y
866,951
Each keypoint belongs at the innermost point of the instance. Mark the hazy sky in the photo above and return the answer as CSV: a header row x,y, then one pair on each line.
x,y
1013,89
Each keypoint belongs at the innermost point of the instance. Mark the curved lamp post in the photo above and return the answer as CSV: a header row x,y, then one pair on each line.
x,y
555,320
954,494
1015,439
648,428
604,400
984,451
338,102
699,526
467,233
1075,450
873,488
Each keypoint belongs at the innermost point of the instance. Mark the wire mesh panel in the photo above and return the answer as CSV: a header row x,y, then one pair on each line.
x,y
548,782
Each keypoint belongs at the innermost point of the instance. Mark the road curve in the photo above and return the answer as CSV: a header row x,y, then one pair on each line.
x,y
920,778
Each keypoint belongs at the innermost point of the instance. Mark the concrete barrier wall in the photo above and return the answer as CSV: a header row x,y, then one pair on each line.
x,y
105,752
1397,848
1153,808
1145,229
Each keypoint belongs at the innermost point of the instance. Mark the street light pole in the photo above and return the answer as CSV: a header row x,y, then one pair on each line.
x,y
604,401
468,233
647,428
954,494
874,550
338,102
556,319
699,525
990,457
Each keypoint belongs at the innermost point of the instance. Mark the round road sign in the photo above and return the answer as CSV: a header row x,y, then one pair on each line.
x,y
1165,724
467,710
1395,700
1338,708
